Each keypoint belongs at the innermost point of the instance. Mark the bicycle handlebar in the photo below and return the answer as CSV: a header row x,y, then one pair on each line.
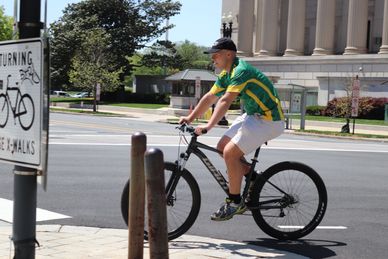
x,y
184,127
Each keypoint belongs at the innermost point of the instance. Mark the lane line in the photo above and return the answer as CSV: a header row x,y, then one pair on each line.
x,y
176,145
6,212
319,227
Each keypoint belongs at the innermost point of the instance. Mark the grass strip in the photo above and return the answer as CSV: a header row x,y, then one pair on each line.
x,y
333,133
81,111
341,120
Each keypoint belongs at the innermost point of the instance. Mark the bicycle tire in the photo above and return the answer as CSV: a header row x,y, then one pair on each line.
x,y
4,109
292,177
29,123
181,227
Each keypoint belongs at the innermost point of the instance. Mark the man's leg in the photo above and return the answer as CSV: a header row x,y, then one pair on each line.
x,y
221,146
236,169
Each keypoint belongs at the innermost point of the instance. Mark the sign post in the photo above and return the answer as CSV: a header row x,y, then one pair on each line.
x,y
23,122
356,86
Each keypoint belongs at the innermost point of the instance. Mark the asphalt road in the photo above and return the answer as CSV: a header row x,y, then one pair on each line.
x,y
89,164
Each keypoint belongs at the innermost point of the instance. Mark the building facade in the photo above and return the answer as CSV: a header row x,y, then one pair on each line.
x,y
320,45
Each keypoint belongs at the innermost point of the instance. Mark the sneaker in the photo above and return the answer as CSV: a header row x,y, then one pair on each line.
x,y
228,210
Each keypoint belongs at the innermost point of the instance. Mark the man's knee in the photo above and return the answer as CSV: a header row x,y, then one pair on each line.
x,y
232,152
222,143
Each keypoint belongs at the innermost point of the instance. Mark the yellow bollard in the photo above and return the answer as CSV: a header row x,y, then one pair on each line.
x,y
207,115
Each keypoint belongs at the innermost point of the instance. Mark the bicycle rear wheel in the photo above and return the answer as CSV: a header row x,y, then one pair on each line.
x,y
182,206
289,200
4,109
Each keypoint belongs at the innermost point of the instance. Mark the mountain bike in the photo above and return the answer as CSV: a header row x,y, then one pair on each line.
x,y
23,109
288,200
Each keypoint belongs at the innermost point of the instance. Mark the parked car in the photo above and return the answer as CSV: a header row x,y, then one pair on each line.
x,y
81,95
61,94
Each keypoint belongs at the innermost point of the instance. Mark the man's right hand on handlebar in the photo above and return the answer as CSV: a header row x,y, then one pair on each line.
x,y
186,120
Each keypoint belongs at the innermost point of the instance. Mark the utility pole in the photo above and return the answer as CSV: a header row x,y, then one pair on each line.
x,y
25,179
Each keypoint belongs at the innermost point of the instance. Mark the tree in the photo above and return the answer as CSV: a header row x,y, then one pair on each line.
x,y
90,65
6,23
130,24
193,56
165,57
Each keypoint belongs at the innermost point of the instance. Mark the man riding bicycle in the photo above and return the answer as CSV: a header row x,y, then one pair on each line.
x,y
262,121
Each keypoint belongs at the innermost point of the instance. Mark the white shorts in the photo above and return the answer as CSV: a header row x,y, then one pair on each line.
x,y
249,132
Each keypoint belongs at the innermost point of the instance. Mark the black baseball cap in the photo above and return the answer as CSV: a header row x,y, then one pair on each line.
x,y
220,44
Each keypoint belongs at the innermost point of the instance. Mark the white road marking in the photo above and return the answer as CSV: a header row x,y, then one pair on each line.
x,y
175,145
6,212
319,227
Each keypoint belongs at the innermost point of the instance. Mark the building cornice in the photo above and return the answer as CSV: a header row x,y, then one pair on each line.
x,y
327,59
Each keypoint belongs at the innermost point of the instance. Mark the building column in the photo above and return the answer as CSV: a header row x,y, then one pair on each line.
x,y
384,45
357,27
295,28
324,35
258,26
245,27
269,27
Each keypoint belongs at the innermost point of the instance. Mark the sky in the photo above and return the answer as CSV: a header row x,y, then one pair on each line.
x,y
196,23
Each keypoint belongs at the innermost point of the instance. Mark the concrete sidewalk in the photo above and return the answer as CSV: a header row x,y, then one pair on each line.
x,y
69,242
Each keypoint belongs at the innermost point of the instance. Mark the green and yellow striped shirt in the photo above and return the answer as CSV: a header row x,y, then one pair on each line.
x,y
256,90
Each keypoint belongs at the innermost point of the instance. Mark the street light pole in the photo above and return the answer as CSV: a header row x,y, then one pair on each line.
x,y
227,24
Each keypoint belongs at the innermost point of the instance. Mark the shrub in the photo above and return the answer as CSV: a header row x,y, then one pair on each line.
x,y
128,97
315,110
368,108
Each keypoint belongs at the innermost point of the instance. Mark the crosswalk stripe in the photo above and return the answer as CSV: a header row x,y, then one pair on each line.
x,y
6,212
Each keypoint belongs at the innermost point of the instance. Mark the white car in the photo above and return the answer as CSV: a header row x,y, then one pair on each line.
x,y
81,95
61,94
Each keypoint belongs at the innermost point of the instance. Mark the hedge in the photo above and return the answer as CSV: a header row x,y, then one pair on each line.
x,y
128,97
315,110
369,108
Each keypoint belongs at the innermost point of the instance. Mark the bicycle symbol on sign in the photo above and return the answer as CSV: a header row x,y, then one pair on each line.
x,y
23,109
29,74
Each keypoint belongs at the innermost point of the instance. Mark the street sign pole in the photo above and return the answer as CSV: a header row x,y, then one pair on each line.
x,y
25,179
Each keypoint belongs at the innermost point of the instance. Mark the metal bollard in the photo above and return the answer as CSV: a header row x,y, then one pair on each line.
x,y
136,197
156,203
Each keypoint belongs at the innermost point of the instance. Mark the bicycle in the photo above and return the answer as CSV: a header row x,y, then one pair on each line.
x,y
288,200
24,108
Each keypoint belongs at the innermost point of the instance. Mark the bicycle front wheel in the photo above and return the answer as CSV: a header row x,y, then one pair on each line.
x,y
182,205
290,200
26,112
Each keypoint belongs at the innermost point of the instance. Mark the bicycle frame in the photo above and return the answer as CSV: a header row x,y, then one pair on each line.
x,y
18,95
194,148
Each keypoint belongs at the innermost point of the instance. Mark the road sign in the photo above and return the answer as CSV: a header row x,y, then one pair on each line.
x,y
24,103
356,87
296,102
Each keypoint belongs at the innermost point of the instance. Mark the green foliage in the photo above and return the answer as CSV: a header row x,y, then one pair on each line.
x,y
129,23
161,54
315,110
193,56
90,65
168,58
369,108
127,97
6,23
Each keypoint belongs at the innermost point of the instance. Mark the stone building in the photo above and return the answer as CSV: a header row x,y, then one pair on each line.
x,y
317,44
